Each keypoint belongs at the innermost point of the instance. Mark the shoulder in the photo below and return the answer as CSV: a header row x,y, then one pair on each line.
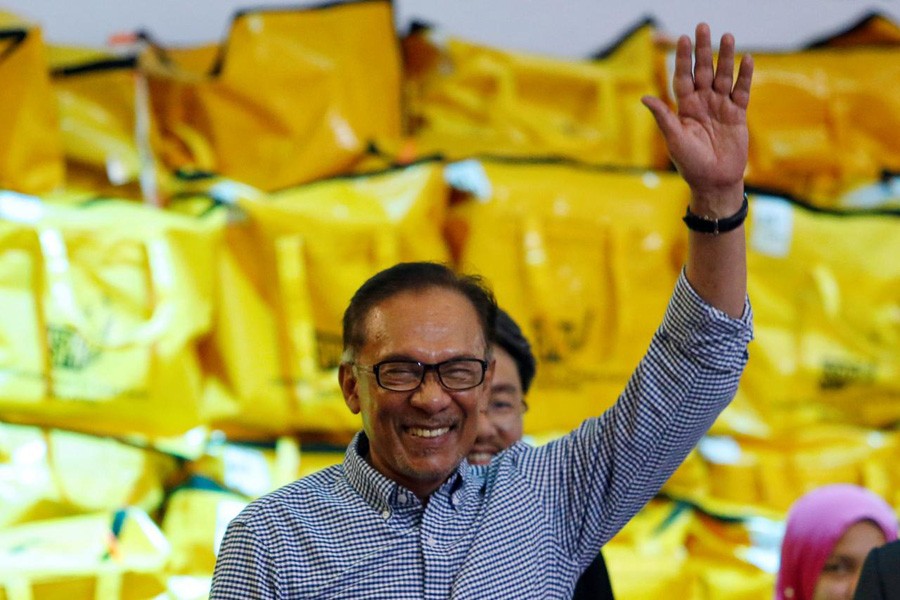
x,y
300,498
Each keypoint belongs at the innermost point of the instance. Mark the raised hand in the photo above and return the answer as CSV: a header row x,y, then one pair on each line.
x,y
707,138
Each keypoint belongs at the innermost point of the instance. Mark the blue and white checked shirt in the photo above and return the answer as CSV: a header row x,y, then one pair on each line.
x,y
524,526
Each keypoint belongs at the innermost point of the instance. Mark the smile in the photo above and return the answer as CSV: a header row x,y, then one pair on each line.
x,y
480,458
428,433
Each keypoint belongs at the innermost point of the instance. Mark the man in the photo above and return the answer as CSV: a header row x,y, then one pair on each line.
x,y
501,425
406,516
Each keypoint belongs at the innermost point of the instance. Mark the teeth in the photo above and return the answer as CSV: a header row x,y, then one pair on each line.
x,y
428,433
480,458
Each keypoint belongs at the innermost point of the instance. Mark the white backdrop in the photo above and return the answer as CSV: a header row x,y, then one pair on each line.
x,y
563,28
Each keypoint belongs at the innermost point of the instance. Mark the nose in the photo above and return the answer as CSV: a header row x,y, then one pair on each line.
x,y
430,396
486,427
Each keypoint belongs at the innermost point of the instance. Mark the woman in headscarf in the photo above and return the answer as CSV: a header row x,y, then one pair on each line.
x,y
829,532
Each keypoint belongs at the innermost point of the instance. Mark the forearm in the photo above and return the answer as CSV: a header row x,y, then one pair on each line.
x,y
716,264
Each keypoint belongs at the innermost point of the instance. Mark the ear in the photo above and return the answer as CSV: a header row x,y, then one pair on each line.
x,y
349,387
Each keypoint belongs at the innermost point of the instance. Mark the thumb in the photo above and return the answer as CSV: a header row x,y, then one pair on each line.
x,y
666,120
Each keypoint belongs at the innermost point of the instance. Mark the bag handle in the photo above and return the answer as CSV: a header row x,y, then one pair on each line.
x,y
58,273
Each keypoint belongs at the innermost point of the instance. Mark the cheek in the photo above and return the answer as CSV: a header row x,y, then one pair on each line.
x,y
831,587
510,433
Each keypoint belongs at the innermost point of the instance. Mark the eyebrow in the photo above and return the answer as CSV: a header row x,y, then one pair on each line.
x,y
408,358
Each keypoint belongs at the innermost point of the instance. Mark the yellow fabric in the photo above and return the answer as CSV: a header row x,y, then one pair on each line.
x,y
733,560
874,30
52,473
31,152
194,524
250,470
294,95
103,305
583,259
466,100
80,557
291,264
821,121
738,476
98,101
827,330
647,558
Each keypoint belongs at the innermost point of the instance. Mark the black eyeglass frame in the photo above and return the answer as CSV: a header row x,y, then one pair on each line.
x,y
426,367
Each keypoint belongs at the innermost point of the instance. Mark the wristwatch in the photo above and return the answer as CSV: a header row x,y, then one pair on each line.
x,y
716,226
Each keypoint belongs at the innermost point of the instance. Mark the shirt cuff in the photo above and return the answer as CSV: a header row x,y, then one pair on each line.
x,y
713,336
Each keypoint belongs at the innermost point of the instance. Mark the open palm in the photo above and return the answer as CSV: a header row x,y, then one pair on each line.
x,y
707,138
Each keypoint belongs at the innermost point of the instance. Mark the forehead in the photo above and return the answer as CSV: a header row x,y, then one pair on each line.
x,y
859,538
428,325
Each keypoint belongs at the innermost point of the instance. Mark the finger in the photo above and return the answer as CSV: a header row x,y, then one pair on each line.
x,y
683,79
740,95
725,65
666,120
703,62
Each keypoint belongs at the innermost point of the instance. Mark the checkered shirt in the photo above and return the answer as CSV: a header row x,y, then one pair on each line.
x,y
524,526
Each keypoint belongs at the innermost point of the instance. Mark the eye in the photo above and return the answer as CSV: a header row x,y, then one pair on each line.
x,y
399,371
838,566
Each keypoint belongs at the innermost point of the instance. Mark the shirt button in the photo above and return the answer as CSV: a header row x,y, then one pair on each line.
x,y
431,541
402,498
386,514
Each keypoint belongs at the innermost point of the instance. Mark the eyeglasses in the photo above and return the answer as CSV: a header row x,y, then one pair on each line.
x,y
456,374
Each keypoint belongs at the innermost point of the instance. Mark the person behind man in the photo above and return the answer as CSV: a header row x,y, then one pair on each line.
x,y
501,425
405,515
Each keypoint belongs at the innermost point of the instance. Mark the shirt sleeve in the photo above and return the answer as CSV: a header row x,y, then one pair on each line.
x,y
243,567
599,476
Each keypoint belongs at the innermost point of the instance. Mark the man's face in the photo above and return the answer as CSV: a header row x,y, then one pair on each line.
x,y
500,426
418,438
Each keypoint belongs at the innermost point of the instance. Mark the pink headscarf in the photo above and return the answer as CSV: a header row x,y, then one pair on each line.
x,y
815,523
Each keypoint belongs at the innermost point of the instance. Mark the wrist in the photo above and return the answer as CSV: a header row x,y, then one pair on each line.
x,y
719,202
715,225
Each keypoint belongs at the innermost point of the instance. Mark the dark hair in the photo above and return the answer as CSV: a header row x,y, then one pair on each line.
x,y
509,337
414,277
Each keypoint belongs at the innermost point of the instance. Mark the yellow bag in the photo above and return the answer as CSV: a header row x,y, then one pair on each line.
x,y
290,269
194,524
104,556
250,470
733,560
31,154
295,94
736,476
98,95
821,122
647,558
871,30
824,290
584,260
54,473
470,100
103,306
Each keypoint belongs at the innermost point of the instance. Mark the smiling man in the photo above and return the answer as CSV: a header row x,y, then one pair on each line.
x,y
406,516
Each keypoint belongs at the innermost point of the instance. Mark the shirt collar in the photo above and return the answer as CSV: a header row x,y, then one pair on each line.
x,y
383,494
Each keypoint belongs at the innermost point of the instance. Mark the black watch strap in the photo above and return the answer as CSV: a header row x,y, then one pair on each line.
x,y
716,226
